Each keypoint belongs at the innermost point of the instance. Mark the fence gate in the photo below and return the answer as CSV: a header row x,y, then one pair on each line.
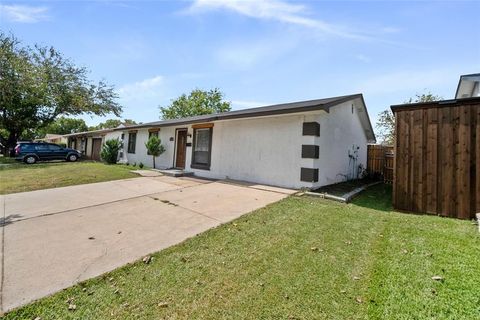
x,y
380,161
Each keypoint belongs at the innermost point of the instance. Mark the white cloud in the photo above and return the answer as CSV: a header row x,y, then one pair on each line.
x,y
363,58
240,56
275,10
243,55
24,13
390,30
408,80
142,90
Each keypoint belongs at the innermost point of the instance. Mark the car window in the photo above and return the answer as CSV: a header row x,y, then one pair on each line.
x,y
41,147
27,147
54,147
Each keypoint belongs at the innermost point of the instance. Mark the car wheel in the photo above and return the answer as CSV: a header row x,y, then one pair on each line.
x,y
30,159
72,158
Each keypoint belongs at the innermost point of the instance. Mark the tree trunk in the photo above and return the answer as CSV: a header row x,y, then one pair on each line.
x,y
10,144
153,162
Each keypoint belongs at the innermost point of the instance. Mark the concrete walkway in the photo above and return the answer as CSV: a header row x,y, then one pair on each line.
x,y
53,238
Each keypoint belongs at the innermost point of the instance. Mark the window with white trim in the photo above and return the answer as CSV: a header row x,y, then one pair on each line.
x,y
202,148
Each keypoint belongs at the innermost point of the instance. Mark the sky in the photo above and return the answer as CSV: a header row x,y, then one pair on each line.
x,y
257,52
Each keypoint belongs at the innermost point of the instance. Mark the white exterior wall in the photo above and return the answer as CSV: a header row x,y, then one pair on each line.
x,y
164,161
263,150
340,132
267,150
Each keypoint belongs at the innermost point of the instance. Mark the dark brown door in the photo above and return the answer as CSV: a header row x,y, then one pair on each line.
x,y
181,149
96,146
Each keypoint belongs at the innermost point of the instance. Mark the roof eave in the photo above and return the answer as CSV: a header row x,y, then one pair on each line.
x,y
248,114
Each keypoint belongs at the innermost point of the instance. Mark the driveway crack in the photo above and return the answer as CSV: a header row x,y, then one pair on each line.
x,y
105,251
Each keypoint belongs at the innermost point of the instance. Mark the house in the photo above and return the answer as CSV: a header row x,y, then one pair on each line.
x,y
304,144
53,138
89,143
468,86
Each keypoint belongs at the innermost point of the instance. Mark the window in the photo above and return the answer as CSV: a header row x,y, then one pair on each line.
x,y
202,148
27,147
54,147
41,147
132,140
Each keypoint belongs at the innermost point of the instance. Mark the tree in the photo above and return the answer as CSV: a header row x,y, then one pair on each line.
x,y
112,123
424,97
110,150
386,120
154,147
198,102
63,125
39,84
386,127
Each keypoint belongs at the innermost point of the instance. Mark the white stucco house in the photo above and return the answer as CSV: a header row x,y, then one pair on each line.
x,y
304,144
90,143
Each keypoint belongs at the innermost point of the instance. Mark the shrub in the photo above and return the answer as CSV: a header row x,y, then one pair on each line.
x,y
110,150
140,165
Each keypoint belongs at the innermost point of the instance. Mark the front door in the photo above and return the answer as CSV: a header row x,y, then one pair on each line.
x,y
181,148
96,148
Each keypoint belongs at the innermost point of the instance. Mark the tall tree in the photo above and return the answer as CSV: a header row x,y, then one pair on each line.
x,y
39,84
198,102
386,120
63,125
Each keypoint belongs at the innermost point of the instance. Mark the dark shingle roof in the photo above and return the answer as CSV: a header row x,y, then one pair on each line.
x,y
284,108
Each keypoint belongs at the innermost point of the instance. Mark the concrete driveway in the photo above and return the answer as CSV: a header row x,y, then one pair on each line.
x,y
53,238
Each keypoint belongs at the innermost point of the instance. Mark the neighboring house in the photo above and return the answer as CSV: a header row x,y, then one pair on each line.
x,y
296,145
468,86
53,138
89,143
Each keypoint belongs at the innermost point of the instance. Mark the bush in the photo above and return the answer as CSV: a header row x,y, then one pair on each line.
x,y
154,147
110,150
140,165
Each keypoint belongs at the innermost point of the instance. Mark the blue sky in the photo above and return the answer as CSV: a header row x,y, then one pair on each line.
x,y
258,52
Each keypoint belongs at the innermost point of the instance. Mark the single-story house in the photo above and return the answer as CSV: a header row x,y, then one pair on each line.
x,y
89,143
304,144
53,138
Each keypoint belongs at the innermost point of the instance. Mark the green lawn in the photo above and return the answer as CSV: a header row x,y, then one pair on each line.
x,y
301,258
20,177
6,160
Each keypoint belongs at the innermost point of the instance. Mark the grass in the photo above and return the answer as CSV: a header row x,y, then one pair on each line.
x,y
300,258
6,160
20,177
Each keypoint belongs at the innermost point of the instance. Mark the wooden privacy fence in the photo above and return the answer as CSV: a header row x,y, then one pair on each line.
x,y
437,165
380,160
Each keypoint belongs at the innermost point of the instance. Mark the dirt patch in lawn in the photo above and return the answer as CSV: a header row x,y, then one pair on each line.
x,y
339,189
